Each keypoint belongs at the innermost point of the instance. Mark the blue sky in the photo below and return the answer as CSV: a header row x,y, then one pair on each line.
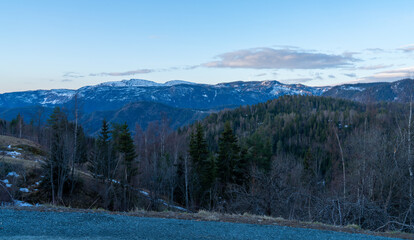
x,y
70,44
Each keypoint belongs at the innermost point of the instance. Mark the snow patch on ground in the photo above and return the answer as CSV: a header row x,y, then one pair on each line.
x,y
144,193
24,204
25,190
12,154
115,181
13,174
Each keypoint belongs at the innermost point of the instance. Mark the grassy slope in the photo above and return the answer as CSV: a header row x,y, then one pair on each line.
x,y
7,140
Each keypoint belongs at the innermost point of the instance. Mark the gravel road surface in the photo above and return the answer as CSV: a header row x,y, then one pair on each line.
x,y
73,225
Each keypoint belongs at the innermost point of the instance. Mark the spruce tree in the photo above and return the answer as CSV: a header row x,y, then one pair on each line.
x,y
198,148
102,162
199,157
126,156
56,168
127,149
81,145
228,161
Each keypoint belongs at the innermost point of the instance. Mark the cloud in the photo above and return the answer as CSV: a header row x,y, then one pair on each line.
x,y
61,80
407,48
374,67
286,46
331,76
127,73
318,76
260,75
375,50
351,75
189,67
296,80
389,76
143,71
270,58
397,73
72,75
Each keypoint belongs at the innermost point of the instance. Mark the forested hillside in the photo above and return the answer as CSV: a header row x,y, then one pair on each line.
x,y
311,158
297,157
398,91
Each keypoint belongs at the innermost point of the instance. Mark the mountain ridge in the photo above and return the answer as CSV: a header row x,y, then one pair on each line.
x,y
113,95
180,98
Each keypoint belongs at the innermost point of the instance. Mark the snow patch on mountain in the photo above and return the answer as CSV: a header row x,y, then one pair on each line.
x,y
143,83
177,82
278,90
176,93
130,83
352,88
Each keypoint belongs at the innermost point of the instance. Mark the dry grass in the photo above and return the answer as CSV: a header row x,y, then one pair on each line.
x,y
27,164
29,159
8,140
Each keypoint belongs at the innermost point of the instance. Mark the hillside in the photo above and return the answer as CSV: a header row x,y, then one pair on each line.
x,y
19,158
275,158
399,91
311,153
141,113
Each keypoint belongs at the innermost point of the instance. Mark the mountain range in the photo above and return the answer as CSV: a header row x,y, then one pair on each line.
x,y
179,94
399,91
142,101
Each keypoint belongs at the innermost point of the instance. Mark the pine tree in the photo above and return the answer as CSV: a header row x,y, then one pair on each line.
x,y
180,186
241,170
198,147
102,162
199,156
259,150
56,169
208,173
228,160
127,155
81,146
127,149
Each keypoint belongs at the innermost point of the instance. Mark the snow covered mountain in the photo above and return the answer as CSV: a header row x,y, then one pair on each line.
x,y
142,83
142,101
52,97
179,94
399,91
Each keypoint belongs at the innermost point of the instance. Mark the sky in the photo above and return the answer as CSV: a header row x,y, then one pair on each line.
x,y
70,44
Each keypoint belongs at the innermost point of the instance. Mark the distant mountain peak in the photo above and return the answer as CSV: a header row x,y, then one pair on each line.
x,y
130,83
178,82
143,83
